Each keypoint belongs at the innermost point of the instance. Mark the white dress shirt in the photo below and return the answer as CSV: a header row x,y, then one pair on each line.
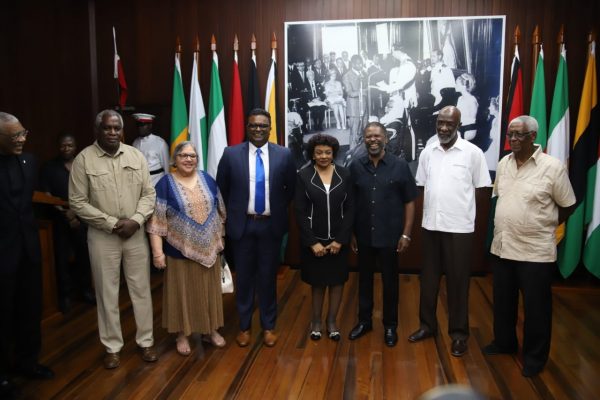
x,y
156,152
252,174
450,178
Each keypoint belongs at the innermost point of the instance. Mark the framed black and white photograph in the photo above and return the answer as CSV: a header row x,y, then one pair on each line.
x,y
401,72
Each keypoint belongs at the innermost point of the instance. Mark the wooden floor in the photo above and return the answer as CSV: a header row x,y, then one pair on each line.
x,y
298,368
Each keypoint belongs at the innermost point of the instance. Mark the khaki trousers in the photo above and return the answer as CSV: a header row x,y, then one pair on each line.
x,y
107,251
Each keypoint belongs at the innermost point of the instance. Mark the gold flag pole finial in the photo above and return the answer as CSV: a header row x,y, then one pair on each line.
x,y
536,45
560,39
517,35
213,43
253,42
178,48
197,49
273,41
236,43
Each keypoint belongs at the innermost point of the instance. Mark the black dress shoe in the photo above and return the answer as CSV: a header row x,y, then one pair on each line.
x,y
459,347
530,372
38,371
390,337
493,349
420,335
359,330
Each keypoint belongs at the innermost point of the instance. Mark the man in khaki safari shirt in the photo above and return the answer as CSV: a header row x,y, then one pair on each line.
x,y
110,190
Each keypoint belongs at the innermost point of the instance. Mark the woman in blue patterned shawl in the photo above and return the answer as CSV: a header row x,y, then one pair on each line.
x,y
186,236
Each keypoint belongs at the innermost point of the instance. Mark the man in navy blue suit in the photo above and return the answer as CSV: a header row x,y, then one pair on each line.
x,y
20,260
256,179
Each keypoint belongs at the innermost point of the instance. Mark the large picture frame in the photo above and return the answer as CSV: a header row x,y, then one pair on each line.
x,y
340,75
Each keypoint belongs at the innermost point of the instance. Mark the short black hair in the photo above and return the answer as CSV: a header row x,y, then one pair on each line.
x,y
375,124
260,111
320,139
63,135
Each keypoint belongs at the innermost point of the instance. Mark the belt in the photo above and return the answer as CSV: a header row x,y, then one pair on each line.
x,y
158,171
257,216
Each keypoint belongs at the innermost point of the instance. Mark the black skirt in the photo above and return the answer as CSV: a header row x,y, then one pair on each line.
x,y
329,270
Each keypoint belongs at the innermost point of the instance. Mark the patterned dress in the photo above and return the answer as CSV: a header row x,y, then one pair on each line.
x,y
191,223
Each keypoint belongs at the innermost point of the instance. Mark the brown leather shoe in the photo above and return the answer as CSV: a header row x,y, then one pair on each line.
x,y
112,360
149,354
243,338
269,338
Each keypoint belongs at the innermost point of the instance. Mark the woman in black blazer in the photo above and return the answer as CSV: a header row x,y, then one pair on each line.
x,y
325,212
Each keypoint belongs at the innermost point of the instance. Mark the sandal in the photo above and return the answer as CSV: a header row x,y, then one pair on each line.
x,y
183,345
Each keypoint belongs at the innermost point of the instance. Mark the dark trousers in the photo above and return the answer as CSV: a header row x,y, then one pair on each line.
x,y
387,259
450,254
20,313
256,257
534,280
69,241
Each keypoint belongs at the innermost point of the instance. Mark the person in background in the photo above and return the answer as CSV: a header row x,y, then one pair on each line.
x,y
468,105
70,235
110,191
152,146
20,266
384,192
354,82
450,170
334,96
441,76
325,212
534,197
186,236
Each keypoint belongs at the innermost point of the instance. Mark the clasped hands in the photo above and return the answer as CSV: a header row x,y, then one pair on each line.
x,y
125,228
319,250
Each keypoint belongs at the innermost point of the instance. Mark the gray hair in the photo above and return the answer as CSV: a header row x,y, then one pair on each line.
x,y
8,118
528,122
180,147
468,81
105,113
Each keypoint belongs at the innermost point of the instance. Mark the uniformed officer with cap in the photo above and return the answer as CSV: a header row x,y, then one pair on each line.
x,y
153,147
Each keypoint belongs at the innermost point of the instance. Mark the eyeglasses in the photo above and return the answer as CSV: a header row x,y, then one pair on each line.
x,y
17,135
187,155
518,135
258,126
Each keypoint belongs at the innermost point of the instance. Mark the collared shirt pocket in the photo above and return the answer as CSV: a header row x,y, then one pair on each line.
x,y
133,174
460,172
100,180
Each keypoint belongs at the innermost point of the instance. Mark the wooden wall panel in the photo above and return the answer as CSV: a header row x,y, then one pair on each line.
x,y
45,74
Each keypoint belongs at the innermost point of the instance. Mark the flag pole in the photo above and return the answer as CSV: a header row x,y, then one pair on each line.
x,y
178,49
535,51
560,40
116,74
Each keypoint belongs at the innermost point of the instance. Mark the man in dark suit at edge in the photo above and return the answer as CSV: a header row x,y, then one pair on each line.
x,y
20,267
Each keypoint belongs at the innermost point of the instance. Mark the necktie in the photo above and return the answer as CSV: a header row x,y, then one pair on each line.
x,y
314,91
259,188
